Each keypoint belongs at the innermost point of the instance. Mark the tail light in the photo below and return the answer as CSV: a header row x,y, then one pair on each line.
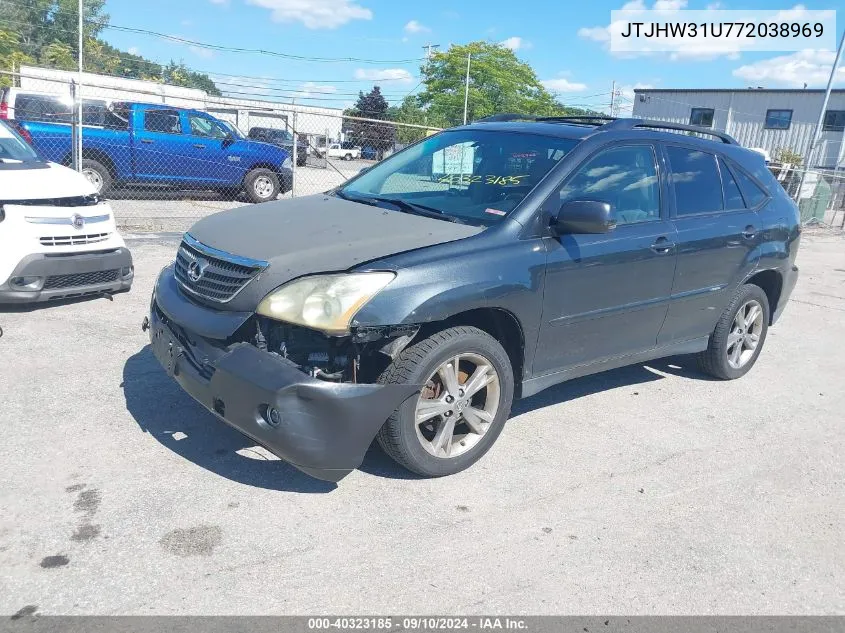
x,y
20,129
4,110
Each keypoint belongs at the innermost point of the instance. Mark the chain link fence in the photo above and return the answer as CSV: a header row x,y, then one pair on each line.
x,y
166,156
819,193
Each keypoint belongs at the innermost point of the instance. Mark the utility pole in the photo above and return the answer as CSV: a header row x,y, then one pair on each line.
x,y
819,124
76,155
612,96
466,89
428,48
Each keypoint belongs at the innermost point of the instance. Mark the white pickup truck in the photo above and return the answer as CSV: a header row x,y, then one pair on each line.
x,y
336,151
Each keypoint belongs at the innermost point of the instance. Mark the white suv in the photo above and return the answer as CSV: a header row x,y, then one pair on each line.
x,y
58,238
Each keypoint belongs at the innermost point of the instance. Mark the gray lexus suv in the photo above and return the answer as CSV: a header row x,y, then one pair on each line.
x,y
485,263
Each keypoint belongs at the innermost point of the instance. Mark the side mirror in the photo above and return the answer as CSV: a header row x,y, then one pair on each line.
x,y
228,139
584,216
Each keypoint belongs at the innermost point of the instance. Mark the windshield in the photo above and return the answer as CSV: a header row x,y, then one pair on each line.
x,y
474,176
13,147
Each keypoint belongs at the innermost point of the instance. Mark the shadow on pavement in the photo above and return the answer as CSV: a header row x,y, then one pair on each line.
x,y
176,421
684,366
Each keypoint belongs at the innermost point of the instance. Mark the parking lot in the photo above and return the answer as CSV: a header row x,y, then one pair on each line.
x,y
174,210
649,489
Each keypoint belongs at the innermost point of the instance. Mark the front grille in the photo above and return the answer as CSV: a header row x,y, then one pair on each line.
x,y
73,240
81,279
217,276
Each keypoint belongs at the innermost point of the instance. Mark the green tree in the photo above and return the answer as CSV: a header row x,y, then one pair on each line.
x,y
498,82
371,105
45,31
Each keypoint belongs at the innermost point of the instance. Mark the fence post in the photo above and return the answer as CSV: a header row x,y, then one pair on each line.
x,y
75,130
294,158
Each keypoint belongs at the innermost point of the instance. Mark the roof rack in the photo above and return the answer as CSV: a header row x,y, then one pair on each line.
x,y
631,124
604,123
589,119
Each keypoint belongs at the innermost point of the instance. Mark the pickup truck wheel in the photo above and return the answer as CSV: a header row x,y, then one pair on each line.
x,y
347,157
97,174
466,397
261,185
739,335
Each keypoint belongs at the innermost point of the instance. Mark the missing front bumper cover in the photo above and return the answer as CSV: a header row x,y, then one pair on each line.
x,y
324,428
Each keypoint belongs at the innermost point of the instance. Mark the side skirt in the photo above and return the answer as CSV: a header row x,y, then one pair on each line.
x,y
538,383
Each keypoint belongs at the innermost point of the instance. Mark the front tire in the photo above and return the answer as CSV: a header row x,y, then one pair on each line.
x,y
261,185
466,399
347,157
739,335
98,175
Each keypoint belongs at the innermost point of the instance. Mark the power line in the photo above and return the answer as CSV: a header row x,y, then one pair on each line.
x,y
259,51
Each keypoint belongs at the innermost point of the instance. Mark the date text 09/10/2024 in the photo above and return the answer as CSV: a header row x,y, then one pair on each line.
x,y
418,623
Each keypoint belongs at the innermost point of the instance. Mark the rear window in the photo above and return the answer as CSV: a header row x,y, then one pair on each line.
x,y
733,197
47,109
698,188
751,191
165,121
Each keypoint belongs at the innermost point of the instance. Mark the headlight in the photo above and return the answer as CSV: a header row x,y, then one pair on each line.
x,y
286,163
324,302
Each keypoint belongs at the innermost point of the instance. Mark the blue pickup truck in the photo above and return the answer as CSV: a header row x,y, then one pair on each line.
x,y
162,146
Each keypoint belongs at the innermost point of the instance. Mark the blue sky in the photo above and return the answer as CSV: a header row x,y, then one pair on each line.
x,y
563,41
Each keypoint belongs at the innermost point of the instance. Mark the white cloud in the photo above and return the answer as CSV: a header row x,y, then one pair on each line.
x,y
385,74
515,43
132,50
563,85
415,27
811,67
314,14
199,51
310,89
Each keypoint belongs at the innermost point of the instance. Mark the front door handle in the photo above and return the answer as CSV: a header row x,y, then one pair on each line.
x,y
662,245
148,141
199,145
750,232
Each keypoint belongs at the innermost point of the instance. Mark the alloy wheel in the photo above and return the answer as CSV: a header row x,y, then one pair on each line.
x,y
745,334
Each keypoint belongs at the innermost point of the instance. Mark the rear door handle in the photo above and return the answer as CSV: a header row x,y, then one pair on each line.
x,y
749,233
662,245
147,141
199,145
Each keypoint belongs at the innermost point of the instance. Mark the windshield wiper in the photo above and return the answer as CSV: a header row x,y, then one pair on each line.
x,y
403,205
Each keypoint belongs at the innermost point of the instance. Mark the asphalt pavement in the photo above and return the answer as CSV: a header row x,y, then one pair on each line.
x,y
645,490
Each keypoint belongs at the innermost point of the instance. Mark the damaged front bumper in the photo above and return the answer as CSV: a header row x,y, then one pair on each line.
x,y
322,428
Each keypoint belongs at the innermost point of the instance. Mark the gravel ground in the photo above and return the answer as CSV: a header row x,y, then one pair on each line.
x,y
649,489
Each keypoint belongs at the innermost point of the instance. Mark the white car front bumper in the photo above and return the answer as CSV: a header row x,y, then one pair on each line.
x,y
60,252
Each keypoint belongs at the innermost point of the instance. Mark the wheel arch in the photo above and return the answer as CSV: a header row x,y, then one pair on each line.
x,y
94,154
499,323
769,281
262,164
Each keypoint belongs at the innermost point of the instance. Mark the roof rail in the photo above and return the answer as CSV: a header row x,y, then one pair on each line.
x,y
630,124
588,119
506,116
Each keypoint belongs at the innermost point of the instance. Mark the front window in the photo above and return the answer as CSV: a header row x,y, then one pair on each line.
x,y
200,126
473,176
13,147
834,121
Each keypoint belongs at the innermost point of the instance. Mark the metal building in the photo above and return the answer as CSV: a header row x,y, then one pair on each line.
x,y
756,117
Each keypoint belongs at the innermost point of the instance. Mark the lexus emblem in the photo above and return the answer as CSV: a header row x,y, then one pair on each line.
x,y
77,221
196,269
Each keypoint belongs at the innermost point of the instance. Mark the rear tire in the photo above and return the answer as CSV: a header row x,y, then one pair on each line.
x,y
261,185
347,157
464,428
98,175
738,338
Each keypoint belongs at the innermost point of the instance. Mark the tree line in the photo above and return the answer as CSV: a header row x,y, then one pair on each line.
x,y
44,33
499,82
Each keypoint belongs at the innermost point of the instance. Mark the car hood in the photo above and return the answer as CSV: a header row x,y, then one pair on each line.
x,y
38,181
317,234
